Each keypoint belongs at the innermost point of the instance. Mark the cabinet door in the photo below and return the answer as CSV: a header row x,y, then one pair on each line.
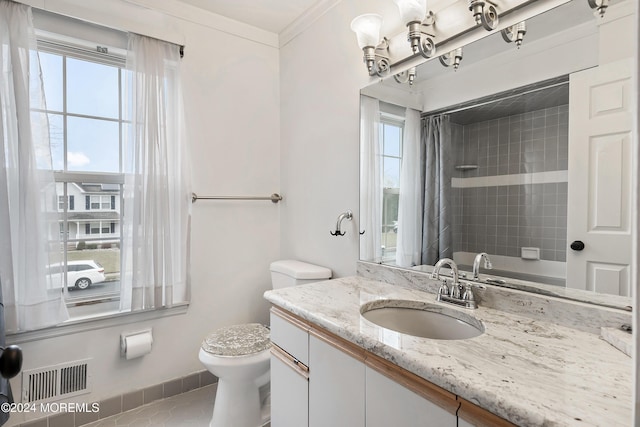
x,y
390,404
336,387
289,392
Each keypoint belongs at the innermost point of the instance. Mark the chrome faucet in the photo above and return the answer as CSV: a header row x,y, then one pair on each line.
x,y
476,264
457,294
455,286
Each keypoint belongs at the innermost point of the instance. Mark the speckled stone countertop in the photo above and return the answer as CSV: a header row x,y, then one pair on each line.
x,y
530,372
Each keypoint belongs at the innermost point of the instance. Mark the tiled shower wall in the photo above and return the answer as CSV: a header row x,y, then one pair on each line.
x,y
501,219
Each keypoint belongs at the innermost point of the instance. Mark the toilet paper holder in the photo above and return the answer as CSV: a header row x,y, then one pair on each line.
x,y
136,344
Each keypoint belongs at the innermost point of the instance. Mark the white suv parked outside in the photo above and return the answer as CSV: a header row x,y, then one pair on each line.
x,y
80,274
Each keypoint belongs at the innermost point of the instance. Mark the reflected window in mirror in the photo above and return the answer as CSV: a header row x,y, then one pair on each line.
x,y
391,139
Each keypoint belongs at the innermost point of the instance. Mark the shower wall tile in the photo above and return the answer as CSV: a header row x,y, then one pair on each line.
x,y
502,219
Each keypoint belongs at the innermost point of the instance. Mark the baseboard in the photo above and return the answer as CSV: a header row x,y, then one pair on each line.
x,y
126,401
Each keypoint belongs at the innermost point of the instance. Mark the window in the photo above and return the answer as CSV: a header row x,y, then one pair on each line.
x,y
391,134
70,200
84,105
100,202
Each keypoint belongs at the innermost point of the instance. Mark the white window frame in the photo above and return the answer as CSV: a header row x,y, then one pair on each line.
x,y
59,32
389,254
100,304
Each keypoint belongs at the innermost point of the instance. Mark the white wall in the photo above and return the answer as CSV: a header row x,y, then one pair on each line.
x,y
232,106
321,76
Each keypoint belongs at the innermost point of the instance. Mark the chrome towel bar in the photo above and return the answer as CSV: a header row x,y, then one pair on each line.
x,y
275,197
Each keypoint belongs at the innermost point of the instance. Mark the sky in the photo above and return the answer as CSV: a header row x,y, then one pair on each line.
x,y
93,89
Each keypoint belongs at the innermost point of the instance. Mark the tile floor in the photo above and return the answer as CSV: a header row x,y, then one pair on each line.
x,y
190,409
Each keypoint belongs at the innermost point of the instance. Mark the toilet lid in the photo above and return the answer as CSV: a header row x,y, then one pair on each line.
x,y
238,340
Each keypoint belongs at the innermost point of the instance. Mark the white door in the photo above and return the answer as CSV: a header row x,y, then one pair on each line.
x,y
600,201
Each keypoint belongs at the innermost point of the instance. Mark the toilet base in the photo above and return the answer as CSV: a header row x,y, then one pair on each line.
x,y
237,404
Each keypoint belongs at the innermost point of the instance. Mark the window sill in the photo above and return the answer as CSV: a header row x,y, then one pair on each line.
x,y
107,320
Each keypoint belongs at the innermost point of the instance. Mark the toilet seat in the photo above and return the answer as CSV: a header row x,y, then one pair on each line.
x,y
238,340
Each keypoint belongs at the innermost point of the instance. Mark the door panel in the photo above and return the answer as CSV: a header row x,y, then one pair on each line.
x,y
600,174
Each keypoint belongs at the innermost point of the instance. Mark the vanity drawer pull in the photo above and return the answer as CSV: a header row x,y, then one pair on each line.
x,y
290,361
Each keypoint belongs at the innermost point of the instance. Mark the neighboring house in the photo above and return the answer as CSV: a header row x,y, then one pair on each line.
x,y
93,213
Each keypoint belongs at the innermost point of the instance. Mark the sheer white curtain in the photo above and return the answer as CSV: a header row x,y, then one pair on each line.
x,y
409,245
28,201
157,193
370,180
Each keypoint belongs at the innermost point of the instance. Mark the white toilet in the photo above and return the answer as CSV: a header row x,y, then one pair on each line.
x,y
239,355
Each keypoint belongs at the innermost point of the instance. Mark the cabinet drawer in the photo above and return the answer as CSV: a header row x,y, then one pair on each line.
x,y
290,334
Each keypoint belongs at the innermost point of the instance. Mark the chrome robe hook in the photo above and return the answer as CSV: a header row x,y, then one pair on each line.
x,y
344,215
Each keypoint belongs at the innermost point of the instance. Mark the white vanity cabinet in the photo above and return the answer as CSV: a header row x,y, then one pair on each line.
x,y
319,379
329,394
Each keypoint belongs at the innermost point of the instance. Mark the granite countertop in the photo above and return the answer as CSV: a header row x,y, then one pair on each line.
x,y
527,371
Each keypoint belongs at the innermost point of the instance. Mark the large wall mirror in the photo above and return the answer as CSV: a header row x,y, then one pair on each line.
x,y
525,154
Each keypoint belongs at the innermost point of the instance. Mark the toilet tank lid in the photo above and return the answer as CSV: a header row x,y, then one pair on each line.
x,y
300,270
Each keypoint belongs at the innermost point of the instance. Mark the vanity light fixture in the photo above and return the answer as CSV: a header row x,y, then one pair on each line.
x,y
382,61
599,5
485,13
515,33
407,76
367,29
452,58
414,13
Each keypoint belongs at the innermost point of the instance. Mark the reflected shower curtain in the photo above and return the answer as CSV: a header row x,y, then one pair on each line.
x,y
28,202
370,180
437,234
157,193
409,245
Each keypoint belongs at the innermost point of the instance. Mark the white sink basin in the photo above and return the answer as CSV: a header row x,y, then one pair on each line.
x,y
422,319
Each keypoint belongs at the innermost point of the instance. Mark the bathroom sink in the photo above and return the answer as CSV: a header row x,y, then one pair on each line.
x,y
422,319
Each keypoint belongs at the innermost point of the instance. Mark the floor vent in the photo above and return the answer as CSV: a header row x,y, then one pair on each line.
x,y
56,382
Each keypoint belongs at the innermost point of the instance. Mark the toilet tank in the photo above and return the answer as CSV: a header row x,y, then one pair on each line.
x,y
290,272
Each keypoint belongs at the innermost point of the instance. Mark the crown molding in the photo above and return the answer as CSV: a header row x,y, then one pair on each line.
x,y
300,24
208,19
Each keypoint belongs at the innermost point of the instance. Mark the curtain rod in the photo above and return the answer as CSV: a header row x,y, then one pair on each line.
x,y
44,12
502,98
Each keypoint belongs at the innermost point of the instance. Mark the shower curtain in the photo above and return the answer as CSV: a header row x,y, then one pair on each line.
x,y
437,234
